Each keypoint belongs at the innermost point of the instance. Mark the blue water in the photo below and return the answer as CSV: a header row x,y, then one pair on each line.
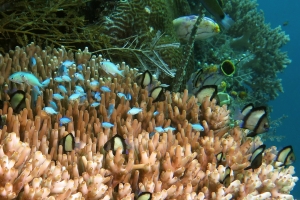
x,y
277,12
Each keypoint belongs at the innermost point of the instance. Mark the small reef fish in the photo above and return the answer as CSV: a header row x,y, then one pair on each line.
x,y
255,119
46,82
79,89
79,67
164,85
75,96
16,77
62,70
144,79
58,79
151,134
57,96
62,89
111,68
120,95
197,127
215,9
157,94
184,26
97,96
64,120
128,96
155,113
110,109
134,111
221,159
37,90
114,143
169,128
68,63
256,158
107,125
285,157
210,75
50,111
94,85
66,78
226,177
145,196
32,61
17,101
82,99
31,79
105,89
95,104
68,143
206,91
159,129
79,76
53,105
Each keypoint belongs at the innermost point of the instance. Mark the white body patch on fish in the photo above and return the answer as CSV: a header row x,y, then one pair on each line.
x,y
134,111
110,68
50,111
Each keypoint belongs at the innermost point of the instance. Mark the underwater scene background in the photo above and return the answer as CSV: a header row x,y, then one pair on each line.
x,y
278,13
149,99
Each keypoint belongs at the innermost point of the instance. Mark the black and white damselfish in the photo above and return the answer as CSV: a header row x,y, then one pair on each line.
x,y
256,158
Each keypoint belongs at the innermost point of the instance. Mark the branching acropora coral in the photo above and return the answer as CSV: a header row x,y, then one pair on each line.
x,y
178,164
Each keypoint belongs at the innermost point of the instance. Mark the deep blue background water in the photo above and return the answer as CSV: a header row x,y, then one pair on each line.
x,y
276,13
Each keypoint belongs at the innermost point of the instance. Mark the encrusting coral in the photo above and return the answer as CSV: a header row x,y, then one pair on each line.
x,y
178,164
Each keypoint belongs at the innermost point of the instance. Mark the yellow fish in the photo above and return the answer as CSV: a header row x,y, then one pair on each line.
x,y
206,29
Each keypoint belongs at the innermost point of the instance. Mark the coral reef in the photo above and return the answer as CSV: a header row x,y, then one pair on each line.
x,y
255,49
179,164
141,34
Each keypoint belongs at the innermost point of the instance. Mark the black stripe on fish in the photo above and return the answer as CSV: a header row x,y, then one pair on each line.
x,y
256,120
114,143
226,178
207,90
68,142
158,94
197,81
145,79
17,101
247,108
256,158
220,158
286,156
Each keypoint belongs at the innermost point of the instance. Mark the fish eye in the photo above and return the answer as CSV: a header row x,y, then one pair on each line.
x,y
266,125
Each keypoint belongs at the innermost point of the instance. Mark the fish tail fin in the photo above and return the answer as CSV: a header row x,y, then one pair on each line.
x,y
227,22
121,73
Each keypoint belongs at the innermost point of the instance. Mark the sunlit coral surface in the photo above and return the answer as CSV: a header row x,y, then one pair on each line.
x,y
178,164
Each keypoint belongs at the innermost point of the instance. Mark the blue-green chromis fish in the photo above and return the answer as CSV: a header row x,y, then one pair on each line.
x,y
16,77
214,8
32,80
